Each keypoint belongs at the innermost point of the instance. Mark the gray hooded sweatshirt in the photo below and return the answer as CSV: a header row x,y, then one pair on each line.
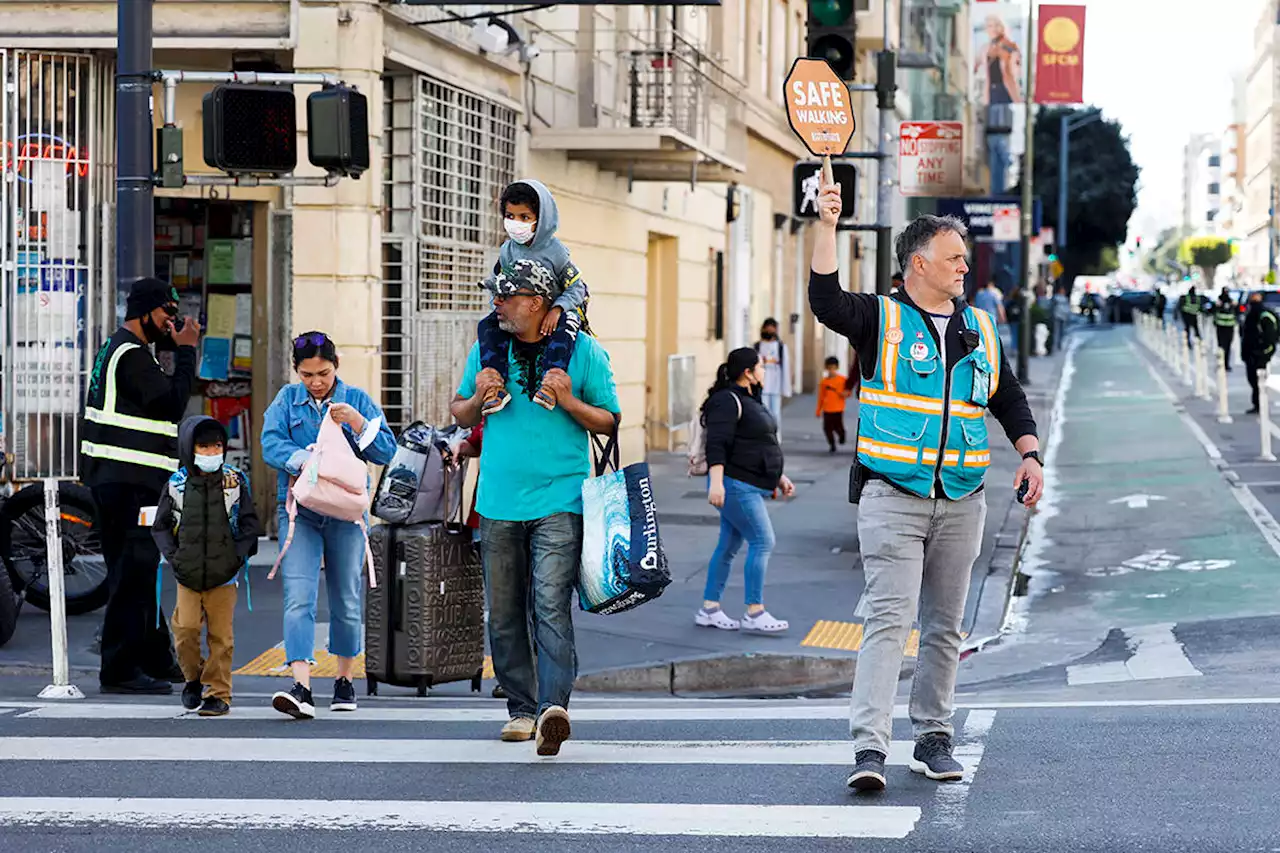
x,y
547,249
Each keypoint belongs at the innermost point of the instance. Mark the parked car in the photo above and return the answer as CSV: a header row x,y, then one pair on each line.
x,y
1122,304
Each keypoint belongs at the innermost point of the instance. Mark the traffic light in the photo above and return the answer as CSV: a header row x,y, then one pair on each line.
x,y
832,33
338,130
251,129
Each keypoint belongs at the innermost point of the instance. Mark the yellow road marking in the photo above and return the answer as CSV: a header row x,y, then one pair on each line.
x,y
847,637
272,663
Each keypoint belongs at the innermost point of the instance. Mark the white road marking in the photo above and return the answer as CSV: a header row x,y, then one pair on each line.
x,y
493,713
952,799
1254,508
444,751
775,821
1137,501
977,724
1156,654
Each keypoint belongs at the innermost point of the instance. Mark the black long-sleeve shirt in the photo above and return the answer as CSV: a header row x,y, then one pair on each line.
x,y
743,437
857,317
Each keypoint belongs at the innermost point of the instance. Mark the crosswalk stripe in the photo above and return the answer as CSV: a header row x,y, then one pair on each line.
x,y
774,821
441,751
495,713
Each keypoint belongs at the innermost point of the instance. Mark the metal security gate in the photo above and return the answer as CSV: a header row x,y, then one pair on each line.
x,y
448,155
53,133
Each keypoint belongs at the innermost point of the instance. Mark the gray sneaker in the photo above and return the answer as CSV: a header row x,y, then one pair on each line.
x,y
868,771
932,757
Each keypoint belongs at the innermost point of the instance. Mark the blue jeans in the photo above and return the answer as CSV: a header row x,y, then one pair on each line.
x,y
743,518
341,545
532,565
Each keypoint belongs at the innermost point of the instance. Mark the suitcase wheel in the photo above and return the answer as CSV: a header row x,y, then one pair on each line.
x,y
476,681
423,685
371,686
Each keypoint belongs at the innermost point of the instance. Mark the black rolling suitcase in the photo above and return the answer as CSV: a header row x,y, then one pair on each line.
x,y
424,622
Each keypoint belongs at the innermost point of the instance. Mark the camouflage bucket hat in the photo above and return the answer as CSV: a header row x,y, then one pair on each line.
x,y
523,277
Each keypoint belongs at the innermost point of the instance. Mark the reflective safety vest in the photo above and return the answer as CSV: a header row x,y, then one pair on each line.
x,y
1189,304
917,422
117,436
1224,315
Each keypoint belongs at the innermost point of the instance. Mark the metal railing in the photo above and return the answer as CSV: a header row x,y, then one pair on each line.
x,y
656,81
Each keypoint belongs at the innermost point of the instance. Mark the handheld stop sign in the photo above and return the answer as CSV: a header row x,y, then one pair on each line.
x,y
819,111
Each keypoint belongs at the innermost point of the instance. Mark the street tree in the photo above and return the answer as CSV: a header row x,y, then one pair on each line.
x,y
1163,259
1102,192
1207,253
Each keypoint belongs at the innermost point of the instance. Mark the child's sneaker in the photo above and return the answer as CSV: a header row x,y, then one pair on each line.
x,y
191,695
214,707
545,398
496,403
297,703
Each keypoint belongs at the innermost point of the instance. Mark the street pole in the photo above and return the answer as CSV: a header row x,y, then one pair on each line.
x,y
135,213
886,94
1028,162
1064,153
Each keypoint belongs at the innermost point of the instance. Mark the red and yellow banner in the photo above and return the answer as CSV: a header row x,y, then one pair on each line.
x,y
1060,56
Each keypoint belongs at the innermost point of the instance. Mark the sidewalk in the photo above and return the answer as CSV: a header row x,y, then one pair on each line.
x,y
1145,526
814,581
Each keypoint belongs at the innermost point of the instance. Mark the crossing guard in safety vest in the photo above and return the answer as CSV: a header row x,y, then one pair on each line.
x,y
1226,314
1189,308
932,368
128,451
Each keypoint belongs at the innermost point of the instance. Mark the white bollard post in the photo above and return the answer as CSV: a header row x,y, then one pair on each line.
x,y
1197,367
1202,370
1264,416
61,688
1186,365
1224,410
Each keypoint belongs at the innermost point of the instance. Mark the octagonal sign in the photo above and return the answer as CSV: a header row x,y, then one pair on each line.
x,y
818,107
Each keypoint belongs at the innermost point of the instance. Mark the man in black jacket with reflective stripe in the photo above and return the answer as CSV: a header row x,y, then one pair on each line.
x,y
128,452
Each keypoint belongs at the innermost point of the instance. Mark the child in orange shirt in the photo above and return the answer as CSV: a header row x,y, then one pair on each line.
x,y
832,392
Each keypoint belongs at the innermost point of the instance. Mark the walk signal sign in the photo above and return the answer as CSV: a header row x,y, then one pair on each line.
x,y
251,129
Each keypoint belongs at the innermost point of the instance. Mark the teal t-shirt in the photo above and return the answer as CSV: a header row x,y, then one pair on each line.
x,y
533,462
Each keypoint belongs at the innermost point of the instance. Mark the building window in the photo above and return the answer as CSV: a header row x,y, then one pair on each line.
x,y
1214,161
1214,189
450,153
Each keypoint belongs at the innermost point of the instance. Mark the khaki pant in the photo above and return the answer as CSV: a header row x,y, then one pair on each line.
x,y
216,608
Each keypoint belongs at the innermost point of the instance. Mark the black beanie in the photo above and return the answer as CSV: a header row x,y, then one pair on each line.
x,y
146,295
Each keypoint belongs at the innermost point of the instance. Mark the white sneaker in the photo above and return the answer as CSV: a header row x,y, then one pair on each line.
x,y
553,730
763,623
715,619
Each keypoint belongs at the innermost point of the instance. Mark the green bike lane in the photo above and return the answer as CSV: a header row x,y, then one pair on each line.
x,y
1139,526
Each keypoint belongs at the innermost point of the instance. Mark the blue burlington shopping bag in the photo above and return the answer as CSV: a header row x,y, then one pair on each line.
x,y
623,564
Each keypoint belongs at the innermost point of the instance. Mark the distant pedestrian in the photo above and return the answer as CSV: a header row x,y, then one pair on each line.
x,y
289,430
1061,314
1189,308
207,529
777,373
130,446
991,300
932,369
895,283
1014,306
1258,337
533,462
1161,304
1225,317
744,462
833,392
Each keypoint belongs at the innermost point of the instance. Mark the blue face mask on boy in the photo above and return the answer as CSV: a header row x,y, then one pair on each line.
x,y
209,464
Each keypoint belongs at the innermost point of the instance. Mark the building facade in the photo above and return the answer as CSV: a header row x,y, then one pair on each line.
x,y
1261,139
661,132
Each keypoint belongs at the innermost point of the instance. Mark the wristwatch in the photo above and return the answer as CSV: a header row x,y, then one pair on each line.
x,y
1034,454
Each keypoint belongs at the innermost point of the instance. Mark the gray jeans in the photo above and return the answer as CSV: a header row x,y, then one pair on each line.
x,y
916,553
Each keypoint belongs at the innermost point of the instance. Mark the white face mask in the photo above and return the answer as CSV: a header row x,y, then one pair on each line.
x,y
521,232
209,464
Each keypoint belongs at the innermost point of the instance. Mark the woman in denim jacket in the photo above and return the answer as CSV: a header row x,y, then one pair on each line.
x,y
289,430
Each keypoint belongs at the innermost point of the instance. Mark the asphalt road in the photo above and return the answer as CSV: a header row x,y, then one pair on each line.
x,y
1089,775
